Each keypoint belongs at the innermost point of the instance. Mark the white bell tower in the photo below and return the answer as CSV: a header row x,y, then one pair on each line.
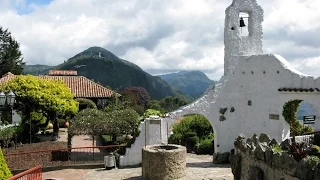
x,y
237,44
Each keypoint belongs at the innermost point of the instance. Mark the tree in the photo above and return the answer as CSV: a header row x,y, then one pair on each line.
x,y
172,103
115,104
96,122
36,97
138,95
10,56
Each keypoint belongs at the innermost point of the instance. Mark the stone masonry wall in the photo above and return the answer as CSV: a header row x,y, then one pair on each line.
x,y
256,158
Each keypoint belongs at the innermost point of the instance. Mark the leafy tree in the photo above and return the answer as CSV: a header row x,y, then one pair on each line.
x,y
115,103
172,103
10,55
139,95
155,104
36,97
4,170
96,122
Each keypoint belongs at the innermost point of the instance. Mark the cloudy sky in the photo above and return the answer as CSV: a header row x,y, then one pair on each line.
x,y
158,35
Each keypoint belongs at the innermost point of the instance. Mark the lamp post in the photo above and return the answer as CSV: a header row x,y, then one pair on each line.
x,y
9,101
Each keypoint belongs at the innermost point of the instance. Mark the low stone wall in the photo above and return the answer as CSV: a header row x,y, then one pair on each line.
x,y
259,158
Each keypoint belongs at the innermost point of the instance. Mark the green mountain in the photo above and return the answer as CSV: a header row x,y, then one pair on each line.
x,y
106,68
193,83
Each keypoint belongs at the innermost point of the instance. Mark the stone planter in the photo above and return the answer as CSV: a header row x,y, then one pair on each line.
x,y
163,162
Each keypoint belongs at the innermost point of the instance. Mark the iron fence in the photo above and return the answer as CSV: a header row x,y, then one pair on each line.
x,y
59,157
34,173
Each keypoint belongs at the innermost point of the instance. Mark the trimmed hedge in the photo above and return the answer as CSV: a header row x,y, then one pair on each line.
x,y
4,170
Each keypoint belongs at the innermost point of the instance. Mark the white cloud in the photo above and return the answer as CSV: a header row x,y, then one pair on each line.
x,y
156,34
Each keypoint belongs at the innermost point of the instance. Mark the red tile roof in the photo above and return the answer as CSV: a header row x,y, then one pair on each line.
x,y
80,86
62,73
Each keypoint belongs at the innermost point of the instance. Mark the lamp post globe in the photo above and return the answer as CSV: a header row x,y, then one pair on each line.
x,y
10,98
2,98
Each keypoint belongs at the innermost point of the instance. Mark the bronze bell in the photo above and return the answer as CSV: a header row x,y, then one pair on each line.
x,y
242,22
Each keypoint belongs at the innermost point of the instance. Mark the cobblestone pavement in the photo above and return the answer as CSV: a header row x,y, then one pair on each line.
x,y
199,167
65,174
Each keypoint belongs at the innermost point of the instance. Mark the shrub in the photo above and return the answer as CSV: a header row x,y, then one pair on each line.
x,y
150,112
190,126
205,146
4,170
175,138
191,143
276,148
315,150
86,103
316,139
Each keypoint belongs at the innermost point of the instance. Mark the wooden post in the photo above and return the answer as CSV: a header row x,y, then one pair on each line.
x,y
293,125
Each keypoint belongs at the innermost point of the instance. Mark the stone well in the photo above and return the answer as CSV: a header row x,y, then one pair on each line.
x,y
163,162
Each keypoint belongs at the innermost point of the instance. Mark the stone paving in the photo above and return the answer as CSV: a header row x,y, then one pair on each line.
x,y
199,167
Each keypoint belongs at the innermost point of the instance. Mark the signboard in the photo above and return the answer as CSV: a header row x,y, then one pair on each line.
x,y
309,119
274,116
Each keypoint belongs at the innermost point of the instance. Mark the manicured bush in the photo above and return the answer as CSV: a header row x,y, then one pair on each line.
x,y
190,131
205,146
4,170
191,143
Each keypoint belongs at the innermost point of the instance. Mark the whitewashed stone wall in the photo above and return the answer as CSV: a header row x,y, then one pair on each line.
x,y
249,87
152,131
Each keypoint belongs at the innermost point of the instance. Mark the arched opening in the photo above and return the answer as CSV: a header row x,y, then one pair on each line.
x,y
294,112
305,113
195,132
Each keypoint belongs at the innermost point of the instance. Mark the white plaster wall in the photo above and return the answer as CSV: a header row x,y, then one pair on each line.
x,y
150,134
133,154
256,78
236,45
250,76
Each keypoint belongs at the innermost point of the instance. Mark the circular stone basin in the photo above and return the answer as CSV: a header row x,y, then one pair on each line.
x,y
163,162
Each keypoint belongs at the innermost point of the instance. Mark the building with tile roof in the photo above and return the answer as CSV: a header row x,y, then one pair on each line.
x,y
80,86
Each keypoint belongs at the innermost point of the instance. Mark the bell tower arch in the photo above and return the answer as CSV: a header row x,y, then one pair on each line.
x,y
239,12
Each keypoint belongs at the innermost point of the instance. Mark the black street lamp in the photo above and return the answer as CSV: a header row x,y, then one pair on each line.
x,y
9,101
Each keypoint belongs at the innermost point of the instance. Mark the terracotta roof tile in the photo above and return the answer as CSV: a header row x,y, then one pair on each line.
x,y
62,73
80,86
